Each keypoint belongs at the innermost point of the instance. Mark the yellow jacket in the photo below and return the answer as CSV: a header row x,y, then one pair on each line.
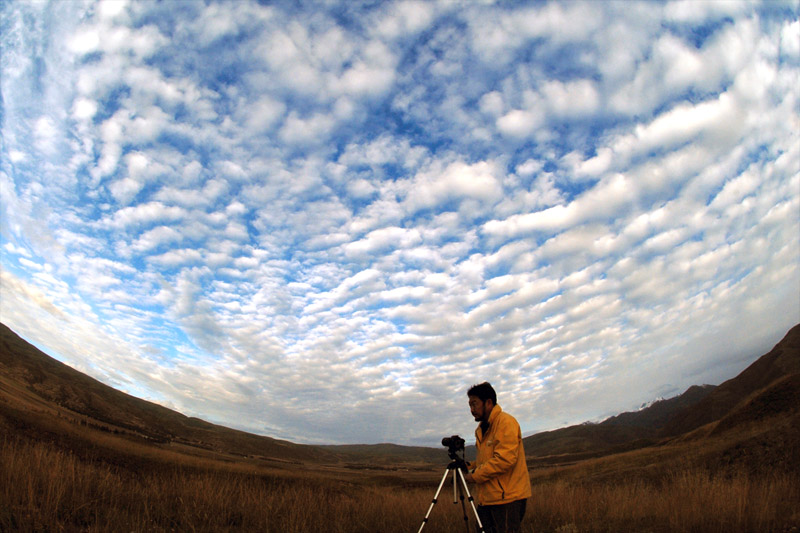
x,y
501,474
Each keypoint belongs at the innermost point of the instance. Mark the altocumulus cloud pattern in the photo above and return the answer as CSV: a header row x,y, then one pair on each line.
x,y
323,221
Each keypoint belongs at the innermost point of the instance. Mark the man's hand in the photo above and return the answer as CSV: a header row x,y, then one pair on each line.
x,y
469,479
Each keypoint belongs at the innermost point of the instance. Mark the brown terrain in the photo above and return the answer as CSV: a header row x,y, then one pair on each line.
x,y
77,455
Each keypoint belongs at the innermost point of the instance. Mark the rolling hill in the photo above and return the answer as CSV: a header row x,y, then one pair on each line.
x,y
36,391
42,398
767,389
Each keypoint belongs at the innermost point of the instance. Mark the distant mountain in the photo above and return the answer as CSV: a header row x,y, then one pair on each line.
x,y
658,413
624,431
698,406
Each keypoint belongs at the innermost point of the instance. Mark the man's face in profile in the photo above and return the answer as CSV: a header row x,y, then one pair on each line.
x,y
478,408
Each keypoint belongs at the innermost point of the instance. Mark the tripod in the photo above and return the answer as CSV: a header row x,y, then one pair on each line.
x,y
457,466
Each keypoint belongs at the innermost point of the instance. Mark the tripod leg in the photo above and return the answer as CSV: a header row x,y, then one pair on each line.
x,y
460,474
463,510
435,498
455,488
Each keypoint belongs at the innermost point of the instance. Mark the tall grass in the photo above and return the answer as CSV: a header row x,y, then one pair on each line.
x,y
44,488
687,501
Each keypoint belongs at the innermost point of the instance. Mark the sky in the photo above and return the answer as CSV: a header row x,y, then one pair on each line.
x,y
323,221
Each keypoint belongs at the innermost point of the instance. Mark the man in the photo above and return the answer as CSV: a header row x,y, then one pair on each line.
x,y
500,473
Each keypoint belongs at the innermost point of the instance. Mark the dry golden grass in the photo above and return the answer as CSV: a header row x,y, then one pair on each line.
x,y
688,501
46,488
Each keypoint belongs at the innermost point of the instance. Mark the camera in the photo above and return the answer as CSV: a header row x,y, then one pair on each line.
x,y
454,443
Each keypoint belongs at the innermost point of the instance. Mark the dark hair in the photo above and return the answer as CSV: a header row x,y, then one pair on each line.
x,y
483,391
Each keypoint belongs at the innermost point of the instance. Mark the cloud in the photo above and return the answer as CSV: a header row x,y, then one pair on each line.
x,y
519,123
263,114
299,130
405,18
382,239
790,39
457,181
683,123
378,205
143,214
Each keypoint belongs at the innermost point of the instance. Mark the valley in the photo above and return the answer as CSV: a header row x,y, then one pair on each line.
x,y
77,455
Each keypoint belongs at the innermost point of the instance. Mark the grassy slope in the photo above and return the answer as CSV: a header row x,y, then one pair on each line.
x,y
45,397
38,382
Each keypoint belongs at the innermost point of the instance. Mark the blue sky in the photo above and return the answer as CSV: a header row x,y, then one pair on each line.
x,y
324,221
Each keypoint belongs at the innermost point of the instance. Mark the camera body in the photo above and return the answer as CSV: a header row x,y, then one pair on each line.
x,y
454,443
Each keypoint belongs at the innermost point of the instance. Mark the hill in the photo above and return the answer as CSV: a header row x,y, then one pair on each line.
x,y
697,407
621,432
782,360
45,399
39,394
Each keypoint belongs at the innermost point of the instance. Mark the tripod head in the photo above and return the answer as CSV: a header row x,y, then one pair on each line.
x,y
458,464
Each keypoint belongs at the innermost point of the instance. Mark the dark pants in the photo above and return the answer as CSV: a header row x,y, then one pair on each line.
x,y
503,518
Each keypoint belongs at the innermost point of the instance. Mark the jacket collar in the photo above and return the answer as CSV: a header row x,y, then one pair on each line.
x,y
496,410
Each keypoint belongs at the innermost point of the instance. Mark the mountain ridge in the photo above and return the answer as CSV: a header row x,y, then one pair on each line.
x,y
698,406
782,360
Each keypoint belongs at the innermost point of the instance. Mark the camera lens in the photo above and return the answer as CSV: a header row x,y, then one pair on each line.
x,y
454,442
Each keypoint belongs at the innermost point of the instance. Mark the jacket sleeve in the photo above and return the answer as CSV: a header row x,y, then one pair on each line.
x,y
506,449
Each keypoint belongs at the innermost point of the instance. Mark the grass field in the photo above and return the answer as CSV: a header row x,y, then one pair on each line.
x,y
44,487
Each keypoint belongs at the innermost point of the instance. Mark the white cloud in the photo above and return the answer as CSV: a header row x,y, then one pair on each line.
x,y
156,237
496,36
404,18
372,75
736,190
607,197
574,99
382,239
46,134
124,190
684,122
456,181
194,197
299,130
178,257
790,39
215,23
519,123
143,214
263,114
683,66
360,188
84,109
